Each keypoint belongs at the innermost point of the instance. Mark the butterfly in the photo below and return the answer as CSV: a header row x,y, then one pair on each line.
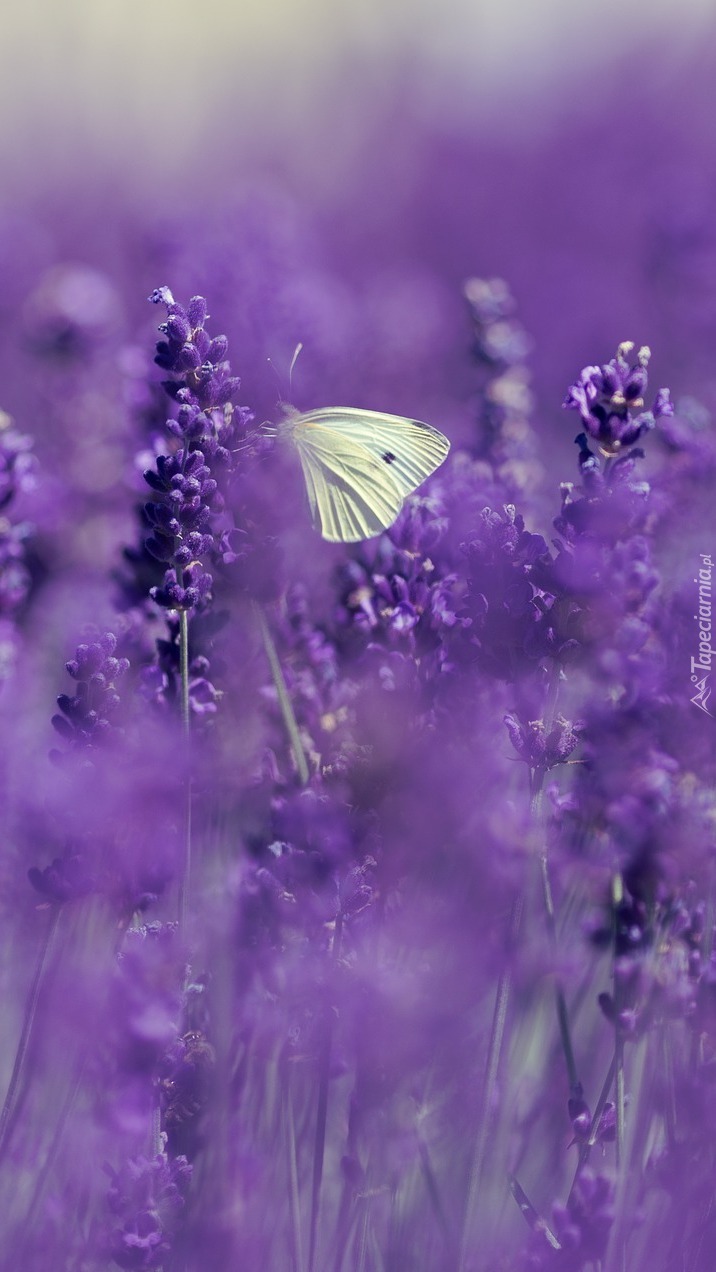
x,y
359,466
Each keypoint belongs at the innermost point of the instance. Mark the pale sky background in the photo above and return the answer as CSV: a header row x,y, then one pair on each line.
x,y
121,77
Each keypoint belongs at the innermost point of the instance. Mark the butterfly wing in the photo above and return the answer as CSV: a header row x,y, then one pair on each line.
x,y
351,493
360,465
410,449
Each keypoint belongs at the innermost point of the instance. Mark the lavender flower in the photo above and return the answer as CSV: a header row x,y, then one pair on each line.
x,y
505,401
72,310
186,484
582,1227
512,627
610,400
17,475
537,747
87,716
146,1198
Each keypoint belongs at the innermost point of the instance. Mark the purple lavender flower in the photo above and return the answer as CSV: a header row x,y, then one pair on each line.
x,y
610,400
102,840
66,878
18,465
17,475
159,681
187,1076
204,519
87,717
72,310
393,599
538,747
512,627
505,401
583,1225
186,484
146,1197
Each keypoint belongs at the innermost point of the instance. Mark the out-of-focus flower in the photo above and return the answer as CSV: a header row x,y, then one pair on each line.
x,y
542,748
505,402
17,476
72,308
146,1198
87,717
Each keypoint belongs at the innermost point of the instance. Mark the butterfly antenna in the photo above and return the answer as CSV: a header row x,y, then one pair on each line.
x,y
294,360
278,379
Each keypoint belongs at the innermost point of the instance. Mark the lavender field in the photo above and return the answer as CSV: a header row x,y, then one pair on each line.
x,y
359,898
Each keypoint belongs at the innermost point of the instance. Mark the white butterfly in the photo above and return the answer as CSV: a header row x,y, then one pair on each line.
x,y
360,466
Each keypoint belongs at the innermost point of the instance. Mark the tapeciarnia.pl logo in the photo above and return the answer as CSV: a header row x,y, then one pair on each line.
x,y
701,667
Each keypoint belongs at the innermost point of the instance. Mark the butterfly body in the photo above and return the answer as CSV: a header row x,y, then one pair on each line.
x,y
360,466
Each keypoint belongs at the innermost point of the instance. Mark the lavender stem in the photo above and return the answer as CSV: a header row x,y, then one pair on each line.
x,y
436,1202
184,882
617,897
497,1034
319,1145
284,699
27,1026
184,667
55,1145
294,1199
586,1148
537,777
561,1003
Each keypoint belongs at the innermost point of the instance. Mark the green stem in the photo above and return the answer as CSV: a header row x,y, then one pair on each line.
x,y
497,1034
560,1000
433,1191
6,1118
530,1215
587,1147
617,897
53,1150
619,1067
294,1199
632,1150
185,879
284,700
319,1145
537,780
184,667
363,1244
620,1159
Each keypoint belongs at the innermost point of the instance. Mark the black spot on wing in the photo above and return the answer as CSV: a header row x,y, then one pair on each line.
x,y
388,457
